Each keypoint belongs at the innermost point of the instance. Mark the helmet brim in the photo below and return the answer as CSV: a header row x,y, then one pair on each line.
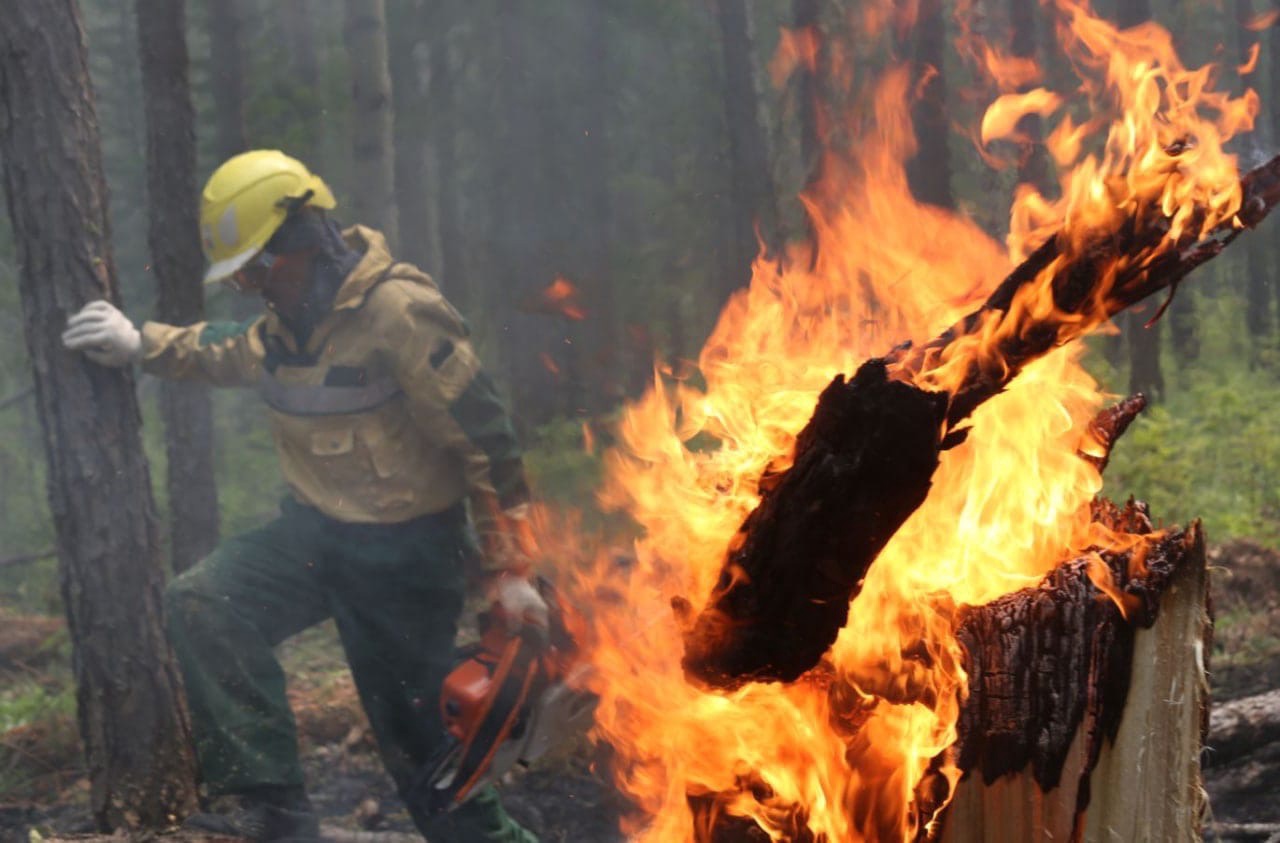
x,y
225,268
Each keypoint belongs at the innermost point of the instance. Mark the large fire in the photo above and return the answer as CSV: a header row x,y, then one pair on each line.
x,y
1006,506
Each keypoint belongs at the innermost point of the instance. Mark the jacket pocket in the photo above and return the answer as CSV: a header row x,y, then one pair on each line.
x,y
385,451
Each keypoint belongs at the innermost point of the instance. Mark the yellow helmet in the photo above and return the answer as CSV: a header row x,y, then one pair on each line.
x,y
246,200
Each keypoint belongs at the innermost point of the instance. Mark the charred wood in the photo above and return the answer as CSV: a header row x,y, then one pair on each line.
x,y
1051,676
865,461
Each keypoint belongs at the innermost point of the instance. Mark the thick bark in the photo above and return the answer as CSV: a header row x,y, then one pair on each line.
x,y
755,202
226,72
1129,767
128,700
406,44
929,172
173,236
865,461
373,198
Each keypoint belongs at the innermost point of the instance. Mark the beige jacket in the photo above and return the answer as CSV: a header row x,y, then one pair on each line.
x,y
385,414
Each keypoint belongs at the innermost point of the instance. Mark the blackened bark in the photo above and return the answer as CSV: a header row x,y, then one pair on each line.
x,y
129,707
173,237
406,45
372,146
755,203
226,72
929,172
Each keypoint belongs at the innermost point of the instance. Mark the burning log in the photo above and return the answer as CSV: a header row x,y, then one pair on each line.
x,y
864,462
1081,716
1083,723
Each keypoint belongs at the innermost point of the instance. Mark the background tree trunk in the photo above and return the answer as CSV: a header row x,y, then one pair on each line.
x,y
226,72
1033,167
806,16
929,172
296,22
174,238
1254,265
373,199
599,361
129,707
408,65
1145,373
523,191
443,131
755,203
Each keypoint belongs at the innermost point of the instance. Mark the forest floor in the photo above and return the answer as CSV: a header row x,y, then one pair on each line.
x,y
43,788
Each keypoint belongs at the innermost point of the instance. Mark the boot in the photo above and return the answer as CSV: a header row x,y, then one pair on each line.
x,y
263,815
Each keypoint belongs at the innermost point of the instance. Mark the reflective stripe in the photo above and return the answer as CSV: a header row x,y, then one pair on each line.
x,y
321,400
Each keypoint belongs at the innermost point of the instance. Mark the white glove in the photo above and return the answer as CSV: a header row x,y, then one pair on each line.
x,y
519,602
104,334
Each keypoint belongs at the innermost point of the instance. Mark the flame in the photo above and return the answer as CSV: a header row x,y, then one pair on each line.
x,y
839,754
560,298
1263,20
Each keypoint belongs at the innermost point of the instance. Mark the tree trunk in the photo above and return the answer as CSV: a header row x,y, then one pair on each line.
x,y
521,192
1257,294
226,74
443,130
173,236
1033,166
755,204
373,199
409,82
806,17
295,19
599,359
929,172
129,707
1112,755
1145,373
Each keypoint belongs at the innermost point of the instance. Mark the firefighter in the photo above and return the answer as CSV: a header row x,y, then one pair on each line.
x,y
386,428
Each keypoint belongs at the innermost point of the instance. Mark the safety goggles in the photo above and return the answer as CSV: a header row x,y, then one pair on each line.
x,y
249,277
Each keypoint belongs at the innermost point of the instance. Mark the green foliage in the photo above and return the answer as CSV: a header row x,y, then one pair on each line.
x,y
560,467
25,701
1210,450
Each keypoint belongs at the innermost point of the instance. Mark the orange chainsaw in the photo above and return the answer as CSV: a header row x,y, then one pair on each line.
x,y
509,699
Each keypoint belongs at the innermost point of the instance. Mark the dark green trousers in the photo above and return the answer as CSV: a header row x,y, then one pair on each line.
x,y
395,593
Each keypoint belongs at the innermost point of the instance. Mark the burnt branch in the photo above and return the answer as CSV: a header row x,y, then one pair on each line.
x,y
865,461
